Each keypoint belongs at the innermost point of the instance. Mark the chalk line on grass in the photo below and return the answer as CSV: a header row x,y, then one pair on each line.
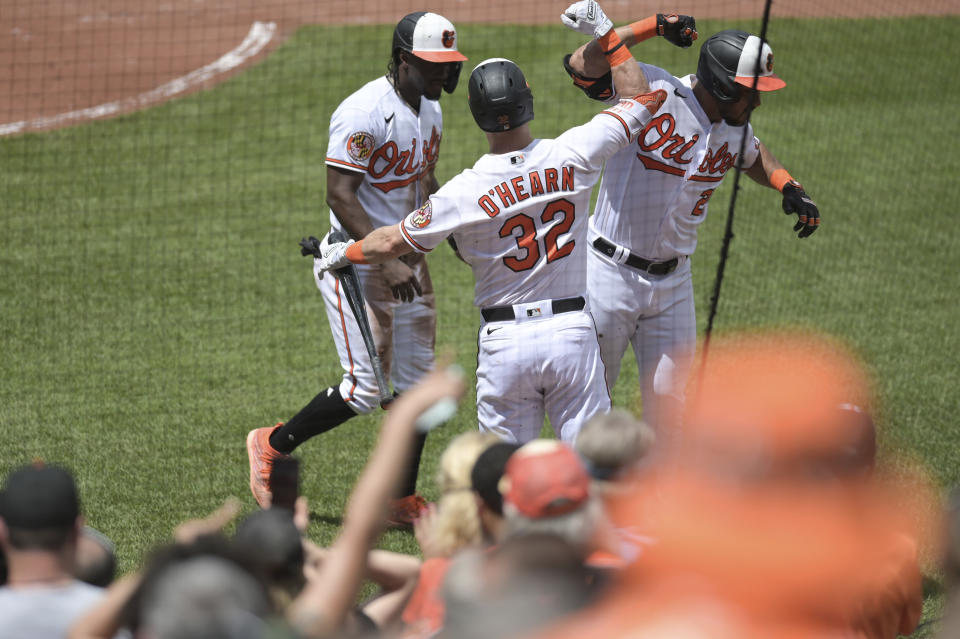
x,y
260,34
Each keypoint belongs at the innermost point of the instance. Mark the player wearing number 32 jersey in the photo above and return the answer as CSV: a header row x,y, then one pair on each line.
x,y
519,218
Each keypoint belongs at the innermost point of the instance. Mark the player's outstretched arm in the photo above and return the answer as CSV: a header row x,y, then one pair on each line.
x,y
382,244
768,171
589,68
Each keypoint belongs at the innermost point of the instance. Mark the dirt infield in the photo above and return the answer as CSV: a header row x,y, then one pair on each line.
x,y
67,61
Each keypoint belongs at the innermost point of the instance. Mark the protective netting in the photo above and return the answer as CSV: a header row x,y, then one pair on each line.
x,y
160,162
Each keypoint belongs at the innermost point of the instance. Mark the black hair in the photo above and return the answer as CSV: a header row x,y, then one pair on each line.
x,y
48,538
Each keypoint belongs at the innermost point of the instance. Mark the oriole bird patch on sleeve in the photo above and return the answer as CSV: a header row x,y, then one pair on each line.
x,y
422,216
360,146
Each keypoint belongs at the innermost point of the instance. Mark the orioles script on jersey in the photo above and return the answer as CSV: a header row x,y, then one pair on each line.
x,y
388,157
521,187
658,138
671,151
715,164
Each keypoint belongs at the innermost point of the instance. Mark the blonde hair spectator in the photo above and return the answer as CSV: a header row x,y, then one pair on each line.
x,y
457,524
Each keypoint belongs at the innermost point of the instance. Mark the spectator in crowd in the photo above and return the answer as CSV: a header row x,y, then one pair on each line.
x,y
276,547
40,527
614,448
546,489
767,524
226,586
485,480
446,528
517,587
455,522
96,560
204,597
274,540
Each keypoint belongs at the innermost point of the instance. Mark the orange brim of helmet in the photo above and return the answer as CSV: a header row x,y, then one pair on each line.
x,y
764,83
440,56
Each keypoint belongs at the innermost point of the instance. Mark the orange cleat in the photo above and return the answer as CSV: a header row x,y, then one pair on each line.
x,y
261,456
405,511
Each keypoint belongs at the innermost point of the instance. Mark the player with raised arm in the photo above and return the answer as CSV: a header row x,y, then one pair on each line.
x,y
383,148
654,195
519,218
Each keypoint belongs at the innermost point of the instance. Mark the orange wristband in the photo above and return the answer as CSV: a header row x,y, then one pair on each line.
x,y
614,48
354,253
780,177
644,29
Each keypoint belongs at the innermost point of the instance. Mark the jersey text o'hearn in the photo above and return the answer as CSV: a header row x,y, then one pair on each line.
x,y
522,187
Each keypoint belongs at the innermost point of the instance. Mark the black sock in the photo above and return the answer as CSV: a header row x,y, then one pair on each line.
x,y
408,486
324,412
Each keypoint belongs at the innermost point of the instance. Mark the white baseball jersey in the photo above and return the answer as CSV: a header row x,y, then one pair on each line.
x,y
374,131
655,192
520,221
653,196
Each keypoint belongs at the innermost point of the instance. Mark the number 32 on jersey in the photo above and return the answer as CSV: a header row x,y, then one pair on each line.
x,y
523,229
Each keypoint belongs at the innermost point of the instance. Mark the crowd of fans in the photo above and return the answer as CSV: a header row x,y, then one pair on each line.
x,y
769,517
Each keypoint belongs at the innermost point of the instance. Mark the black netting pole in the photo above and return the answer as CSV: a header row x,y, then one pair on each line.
x,y
728,232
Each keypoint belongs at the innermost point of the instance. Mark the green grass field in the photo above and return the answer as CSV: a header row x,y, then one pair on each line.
x,y
154,306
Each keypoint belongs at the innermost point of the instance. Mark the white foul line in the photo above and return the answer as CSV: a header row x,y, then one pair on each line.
x,y
257,38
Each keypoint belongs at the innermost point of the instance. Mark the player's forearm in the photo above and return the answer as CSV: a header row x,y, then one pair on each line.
x,y
382,244
589,59
627,75
342,187
763,170
352,216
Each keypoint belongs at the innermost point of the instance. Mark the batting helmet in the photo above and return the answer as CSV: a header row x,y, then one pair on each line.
x,y
431,37
729,59
500,99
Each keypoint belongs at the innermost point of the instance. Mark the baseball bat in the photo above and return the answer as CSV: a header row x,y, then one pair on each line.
x,y
350,281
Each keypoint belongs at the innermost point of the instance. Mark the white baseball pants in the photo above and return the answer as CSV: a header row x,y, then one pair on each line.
x,y
656,315
535,366
404,333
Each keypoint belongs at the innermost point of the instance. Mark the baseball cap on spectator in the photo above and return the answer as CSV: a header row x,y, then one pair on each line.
x,y
487,471
39,496
545,478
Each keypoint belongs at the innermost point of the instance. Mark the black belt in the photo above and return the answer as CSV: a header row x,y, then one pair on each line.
x,y
505,313
637,262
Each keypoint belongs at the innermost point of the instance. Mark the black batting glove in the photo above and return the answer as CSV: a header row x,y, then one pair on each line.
x,y
795,200
677,29
310,246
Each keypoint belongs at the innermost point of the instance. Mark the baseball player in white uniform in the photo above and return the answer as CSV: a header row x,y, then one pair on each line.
x,y
519,218
655,193
383,148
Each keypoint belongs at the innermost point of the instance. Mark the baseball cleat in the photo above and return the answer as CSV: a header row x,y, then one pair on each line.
x,y
406,510
261,456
